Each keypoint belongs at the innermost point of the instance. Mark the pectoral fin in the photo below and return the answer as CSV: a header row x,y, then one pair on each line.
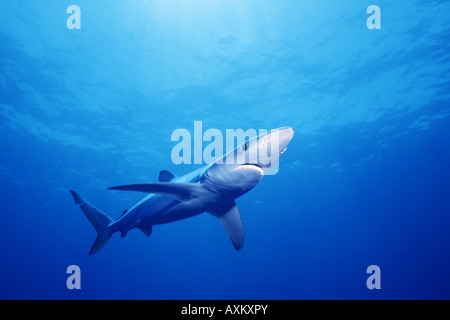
x,y
230,219
182,191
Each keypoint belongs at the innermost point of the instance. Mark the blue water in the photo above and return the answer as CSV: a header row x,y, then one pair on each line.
x,y
365,181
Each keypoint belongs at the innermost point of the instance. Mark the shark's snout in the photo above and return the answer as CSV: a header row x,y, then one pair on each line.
x,y
285,136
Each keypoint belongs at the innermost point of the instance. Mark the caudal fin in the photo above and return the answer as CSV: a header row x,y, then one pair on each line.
x,y
99,220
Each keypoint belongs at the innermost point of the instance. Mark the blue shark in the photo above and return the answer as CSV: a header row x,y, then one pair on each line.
x,y
212,189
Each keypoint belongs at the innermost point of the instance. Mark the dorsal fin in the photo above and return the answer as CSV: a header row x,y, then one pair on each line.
x,y
166,176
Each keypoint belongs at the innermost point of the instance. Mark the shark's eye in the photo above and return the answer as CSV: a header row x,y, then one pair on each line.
x,y
245,146
264,142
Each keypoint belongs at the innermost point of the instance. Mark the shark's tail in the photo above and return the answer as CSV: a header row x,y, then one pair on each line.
x,y
99,220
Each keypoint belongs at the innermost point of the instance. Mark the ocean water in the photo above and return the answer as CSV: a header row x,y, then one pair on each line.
x,y
365,180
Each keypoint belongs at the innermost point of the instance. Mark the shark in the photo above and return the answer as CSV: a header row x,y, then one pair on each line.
x,y
212,189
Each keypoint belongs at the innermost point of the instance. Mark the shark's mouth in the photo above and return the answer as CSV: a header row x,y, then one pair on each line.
x,y
253,164
252,167
257,165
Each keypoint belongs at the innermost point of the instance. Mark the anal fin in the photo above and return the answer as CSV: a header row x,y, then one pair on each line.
x,y
147,230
